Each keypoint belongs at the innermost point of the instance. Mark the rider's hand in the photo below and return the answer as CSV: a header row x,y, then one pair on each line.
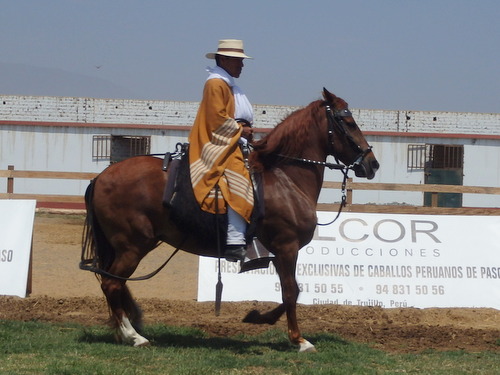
x,y
247,133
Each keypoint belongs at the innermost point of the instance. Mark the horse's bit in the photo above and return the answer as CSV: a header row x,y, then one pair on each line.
x,y
336,121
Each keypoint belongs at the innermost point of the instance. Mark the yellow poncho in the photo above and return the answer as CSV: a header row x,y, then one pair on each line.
x,y
215,156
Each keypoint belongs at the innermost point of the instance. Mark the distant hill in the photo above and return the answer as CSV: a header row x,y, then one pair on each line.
x,y
21,79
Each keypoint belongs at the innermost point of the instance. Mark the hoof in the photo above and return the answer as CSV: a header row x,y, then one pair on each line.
x,y
140,343
253,317
306,347
129,335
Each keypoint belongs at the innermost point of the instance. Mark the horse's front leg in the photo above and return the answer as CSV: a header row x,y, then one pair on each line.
x,y
286,265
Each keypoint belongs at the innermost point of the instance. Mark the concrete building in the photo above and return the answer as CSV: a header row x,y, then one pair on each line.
x,y
86,134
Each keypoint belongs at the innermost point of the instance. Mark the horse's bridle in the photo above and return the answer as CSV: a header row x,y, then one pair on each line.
x,y
335,119
336,122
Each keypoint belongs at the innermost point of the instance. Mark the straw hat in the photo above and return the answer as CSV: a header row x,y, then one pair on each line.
x,y
231,48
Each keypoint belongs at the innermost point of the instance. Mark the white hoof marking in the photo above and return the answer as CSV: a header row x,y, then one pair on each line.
x,y
306,347
129,335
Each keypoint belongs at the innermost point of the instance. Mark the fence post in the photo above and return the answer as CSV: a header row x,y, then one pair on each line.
x,y
349,191
29,283
434,199
10,181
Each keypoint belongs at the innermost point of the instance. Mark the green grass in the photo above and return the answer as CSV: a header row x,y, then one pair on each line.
x,y
40,348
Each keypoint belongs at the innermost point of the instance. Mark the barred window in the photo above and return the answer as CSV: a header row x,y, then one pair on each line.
x,y
426,156
101,147
116,148
416,157
446,156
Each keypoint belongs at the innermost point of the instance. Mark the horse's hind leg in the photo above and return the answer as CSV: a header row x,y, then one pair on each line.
x,y
270,317
133,310
126,316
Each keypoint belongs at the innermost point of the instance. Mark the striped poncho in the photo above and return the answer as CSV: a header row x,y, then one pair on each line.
x,y
215,157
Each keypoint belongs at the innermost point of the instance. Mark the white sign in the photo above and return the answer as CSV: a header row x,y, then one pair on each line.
x,y
381,260
16,230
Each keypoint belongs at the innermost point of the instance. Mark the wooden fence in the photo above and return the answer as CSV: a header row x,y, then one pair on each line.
x,y
11,174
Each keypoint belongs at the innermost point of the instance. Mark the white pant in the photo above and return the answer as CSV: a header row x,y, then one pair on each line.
x,y
236,228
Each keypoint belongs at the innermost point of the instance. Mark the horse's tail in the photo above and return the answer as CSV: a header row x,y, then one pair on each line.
x,y
97,252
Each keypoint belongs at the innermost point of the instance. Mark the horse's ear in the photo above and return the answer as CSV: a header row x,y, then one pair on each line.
x,y
328,96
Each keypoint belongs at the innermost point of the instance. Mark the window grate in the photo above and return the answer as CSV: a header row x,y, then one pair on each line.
x,y
446,156
423,156
417,157
101,147
126,146
116,148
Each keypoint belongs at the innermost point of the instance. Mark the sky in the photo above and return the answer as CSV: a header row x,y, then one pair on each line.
x,y
422,55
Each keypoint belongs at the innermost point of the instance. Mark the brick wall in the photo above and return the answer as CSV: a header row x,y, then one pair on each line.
x,y
121,111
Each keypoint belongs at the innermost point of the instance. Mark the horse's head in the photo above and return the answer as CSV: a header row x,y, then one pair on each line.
x,y
346,142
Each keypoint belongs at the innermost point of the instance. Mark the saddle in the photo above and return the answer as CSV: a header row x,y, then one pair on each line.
x,y
184,209
187,214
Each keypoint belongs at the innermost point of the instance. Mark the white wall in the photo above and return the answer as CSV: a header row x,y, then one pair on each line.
x,y
69,147
121,111
482,168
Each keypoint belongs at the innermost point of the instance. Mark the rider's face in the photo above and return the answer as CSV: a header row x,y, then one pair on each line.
x,y
232,65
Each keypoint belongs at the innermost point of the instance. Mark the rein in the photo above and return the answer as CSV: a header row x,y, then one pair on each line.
x,y
316,162
343,201
86,267
344,169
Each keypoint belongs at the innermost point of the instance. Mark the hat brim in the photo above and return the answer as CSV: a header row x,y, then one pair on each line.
x,y
211,55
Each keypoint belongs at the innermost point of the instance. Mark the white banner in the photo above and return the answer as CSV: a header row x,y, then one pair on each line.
x,y
16,230
381,260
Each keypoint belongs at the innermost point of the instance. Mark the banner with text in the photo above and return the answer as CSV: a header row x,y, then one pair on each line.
x,y
381,260
16,231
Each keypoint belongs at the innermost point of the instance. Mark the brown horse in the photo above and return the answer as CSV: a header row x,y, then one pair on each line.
x,y
126,218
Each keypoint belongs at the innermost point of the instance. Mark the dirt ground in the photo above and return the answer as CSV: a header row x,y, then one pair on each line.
x,y
63,293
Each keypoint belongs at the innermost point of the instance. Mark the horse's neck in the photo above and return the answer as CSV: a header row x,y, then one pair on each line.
x,y
309,176
308,180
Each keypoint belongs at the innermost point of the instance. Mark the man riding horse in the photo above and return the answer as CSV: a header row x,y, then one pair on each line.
x,y
220,179
127,218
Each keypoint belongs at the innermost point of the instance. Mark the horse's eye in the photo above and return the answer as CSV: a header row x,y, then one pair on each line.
x,y
350,123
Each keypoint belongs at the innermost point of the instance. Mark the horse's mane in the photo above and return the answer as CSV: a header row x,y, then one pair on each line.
x,y
287,138
290,135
